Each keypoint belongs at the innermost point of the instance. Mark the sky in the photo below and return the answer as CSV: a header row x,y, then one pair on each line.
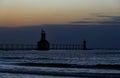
x,y
14,13
65,21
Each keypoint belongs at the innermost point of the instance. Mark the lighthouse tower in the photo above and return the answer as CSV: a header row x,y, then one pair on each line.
x,y
84,45
43,44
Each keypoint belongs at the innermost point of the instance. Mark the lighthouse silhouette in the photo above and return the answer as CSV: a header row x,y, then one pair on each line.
x,y
43,44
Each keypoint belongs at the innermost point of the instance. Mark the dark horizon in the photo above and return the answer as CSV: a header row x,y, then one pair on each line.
x,y
97,36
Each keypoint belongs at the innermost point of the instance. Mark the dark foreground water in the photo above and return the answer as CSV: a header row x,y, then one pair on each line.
x,y
60,64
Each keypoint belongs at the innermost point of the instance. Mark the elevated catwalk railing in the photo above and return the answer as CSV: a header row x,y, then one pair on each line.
x,y
65,47
52,47
18,46
34,47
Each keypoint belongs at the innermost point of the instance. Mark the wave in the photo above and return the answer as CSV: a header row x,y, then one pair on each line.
x,y
56,72
86,75
26,58
64,65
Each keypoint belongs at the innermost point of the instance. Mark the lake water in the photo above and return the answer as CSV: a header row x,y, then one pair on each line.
x,y
60,64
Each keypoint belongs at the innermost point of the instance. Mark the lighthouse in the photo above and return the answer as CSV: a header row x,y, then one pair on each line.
x,y
43,44
84,45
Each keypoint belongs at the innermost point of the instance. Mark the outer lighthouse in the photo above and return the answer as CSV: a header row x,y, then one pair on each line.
x,y
43,44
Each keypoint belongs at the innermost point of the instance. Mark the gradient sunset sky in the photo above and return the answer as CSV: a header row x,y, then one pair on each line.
x,y
37,12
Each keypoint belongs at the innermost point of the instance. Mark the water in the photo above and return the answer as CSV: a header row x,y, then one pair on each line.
x,y
60,64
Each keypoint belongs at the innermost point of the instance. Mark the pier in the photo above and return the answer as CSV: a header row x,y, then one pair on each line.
x,y
52,47
18,46
34,47
66,47
44,44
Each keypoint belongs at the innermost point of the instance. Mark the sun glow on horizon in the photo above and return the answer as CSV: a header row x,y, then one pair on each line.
x,y
37,12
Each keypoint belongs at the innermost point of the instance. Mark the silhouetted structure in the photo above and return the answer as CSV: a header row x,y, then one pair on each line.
x,y
52,47
84,45
43,44
65,47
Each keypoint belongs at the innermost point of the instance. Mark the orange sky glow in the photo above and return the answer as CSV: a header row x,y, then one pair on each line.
x,y
36,12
